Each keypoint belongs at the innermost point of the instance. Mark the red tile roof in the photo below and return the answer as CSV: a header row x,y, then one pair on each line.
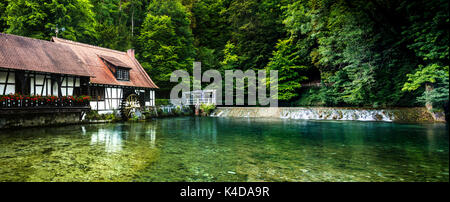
x,y
114,61
24,53
90,56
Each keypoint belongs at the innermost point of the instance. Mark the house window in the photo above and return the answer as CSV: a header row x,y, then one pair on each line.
x,y
98,93
123,74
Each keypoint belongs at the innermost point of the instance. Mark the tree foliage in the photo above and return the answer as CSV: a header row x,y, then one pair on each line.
x,y
165,42
374,53
365,50
256,26
428,37
39,19
3,5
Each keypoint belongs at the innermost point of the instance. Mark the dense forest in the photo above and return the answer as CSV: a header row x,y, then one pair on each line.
x,y
373,53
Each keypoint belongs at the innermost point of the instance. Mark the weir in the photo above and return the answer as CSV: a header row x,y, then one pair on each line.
x,y
415,115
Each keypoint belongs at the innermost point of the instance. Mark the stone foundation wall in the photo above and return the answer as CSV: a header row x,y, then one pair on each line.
x,y
39,119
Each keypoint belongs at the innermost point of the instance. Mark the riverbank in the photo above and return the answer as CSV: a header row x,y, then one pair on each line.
x,y
407,115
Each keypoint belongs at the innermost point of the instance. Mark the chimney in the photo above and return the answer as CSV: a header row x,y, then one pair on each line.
x,y
130,52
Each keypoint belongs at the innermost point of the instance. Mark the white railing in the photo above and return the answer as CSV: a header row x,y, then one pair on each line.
x,y
199,101
194,101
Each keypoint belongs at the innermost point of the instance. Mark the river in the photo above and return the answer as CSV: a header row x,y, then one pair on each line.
x,y
227,149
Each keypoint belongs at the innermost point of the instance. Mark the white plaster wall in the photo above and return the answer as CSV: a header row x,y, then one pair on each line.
x,y
64,89
151,103
32,86
11,83
113,93
70,81
38,90
55,89
93,105
153,98
70,91
39,81
10,89
12,77
3,77
108,105
48,87
97,105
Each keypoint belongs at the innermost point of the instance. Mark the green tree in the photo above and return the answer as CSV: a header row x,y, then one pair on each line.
x,y
285,60
165,42
231,59
428,36
256,28
111,27
292,56
358,50
211,31
118,22
37,18
3,5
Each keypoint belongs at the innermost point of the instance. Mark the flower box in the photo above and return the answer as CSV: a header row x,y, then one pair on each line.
x,y
17,100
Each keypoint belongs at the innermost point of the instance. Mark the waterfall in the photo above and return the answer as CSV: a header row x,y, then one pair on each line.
x,y
337,114
308,113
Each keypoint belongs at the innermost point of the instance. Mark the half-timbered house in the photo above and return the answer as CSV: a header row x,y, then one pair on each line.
x,y
36,67
115,80
118,81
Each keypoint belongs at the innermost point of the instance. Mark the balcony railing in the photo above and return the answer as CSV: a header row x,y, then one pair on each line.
x,y
22,102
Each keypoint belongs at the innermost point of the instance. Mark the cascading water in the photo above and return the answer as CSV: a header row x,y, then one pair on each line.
x,y
313,113
337,114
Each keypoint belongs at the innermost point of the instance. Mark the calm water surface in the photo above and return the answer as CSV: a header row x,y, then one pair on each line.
x,y
227,149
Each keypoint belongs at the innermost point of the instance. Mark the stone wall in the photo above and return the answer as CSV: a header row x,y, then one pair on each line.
x,y
39,119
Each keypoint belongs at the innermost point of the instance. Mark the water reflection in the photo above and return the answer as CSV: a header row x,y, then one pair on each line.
x,y
113,137
103,152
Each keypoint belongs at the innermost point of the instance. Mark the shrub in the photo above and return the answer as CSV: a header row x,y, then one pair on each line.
x,y
159,112
311,97
134,118
207,108
177,111
162,102
93,115
150,113
111,117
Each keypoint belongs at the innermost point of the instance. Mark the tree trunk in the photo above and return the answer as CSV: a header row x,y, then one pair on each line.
x,y
429,87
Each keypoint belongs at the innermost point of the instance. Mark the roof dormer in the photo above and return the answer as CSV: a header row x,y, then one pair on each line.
x,y
120,70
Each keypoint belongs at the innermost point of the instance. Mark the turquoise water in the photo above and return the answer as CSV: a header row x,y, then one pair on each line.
x,y
227,149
